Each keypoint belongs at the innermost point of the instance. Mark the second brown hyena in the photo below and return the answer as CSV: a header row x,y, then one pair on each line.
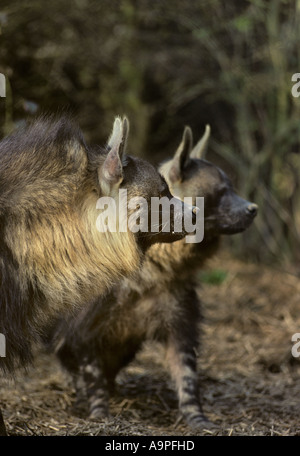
x,y
53,258
161,304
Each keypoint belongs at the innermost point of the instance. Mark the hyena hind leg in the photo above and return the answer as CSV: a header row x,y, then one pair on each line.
x,y
91,384
181,363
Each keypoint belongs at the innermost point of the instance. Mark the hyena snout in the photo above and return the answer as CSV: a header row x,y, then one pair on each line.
x,y
237,215
246,210
251,209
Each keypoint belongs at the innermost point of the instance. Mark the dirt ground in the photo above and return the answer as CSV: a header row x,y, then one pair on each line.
x,y
250,381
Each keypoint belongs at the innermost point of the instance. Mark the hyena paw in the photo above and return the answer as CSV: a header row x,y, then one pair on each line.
x,y
98,413
200,422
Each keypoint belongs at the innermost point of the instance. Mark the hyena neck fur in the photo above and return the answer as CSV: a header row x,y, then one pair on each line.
x,y
178,261
57,246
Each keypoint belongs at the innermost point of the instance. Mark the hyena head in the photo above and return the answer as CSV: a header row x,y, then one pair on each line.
x,y
189,174
143,184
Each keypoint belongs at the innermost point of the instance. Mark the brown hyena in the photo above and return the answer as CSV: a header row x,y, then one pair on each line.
x,y
161,304
52,255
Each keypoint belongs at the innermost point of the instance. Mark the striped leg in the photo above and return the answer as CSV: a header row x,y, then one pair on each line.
x,y
97,373
182,366
94,385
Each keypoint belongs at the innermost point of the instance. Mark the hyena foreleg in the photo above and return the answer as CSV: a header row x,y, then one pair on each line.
x,y
91,385
182,360
84,363
182,367
98,370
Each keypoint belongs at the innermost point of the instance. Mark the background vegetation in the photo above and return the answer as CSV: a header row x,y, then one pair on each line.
x,y
167,63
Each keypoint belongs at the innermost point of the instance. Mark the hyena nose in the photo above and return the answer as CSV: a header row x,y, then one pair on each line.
x,y
252,209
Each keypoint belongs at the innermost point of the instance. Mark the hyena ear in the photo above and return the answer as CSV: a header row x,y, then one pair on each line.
x,y
200,148
111,172
181,155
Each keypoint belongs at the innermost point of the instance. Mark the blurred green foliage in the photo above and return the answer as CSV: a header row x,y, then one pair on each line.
x,y
166,64
213,277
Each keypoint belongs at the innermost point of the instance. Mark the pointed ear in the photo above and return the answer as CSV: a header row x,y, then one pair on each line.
x,y
201,147
119,135
181,155
110,174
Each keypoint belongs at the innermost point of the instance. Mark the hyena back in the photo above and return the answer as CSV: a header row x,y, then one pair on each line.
x,y
161,304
